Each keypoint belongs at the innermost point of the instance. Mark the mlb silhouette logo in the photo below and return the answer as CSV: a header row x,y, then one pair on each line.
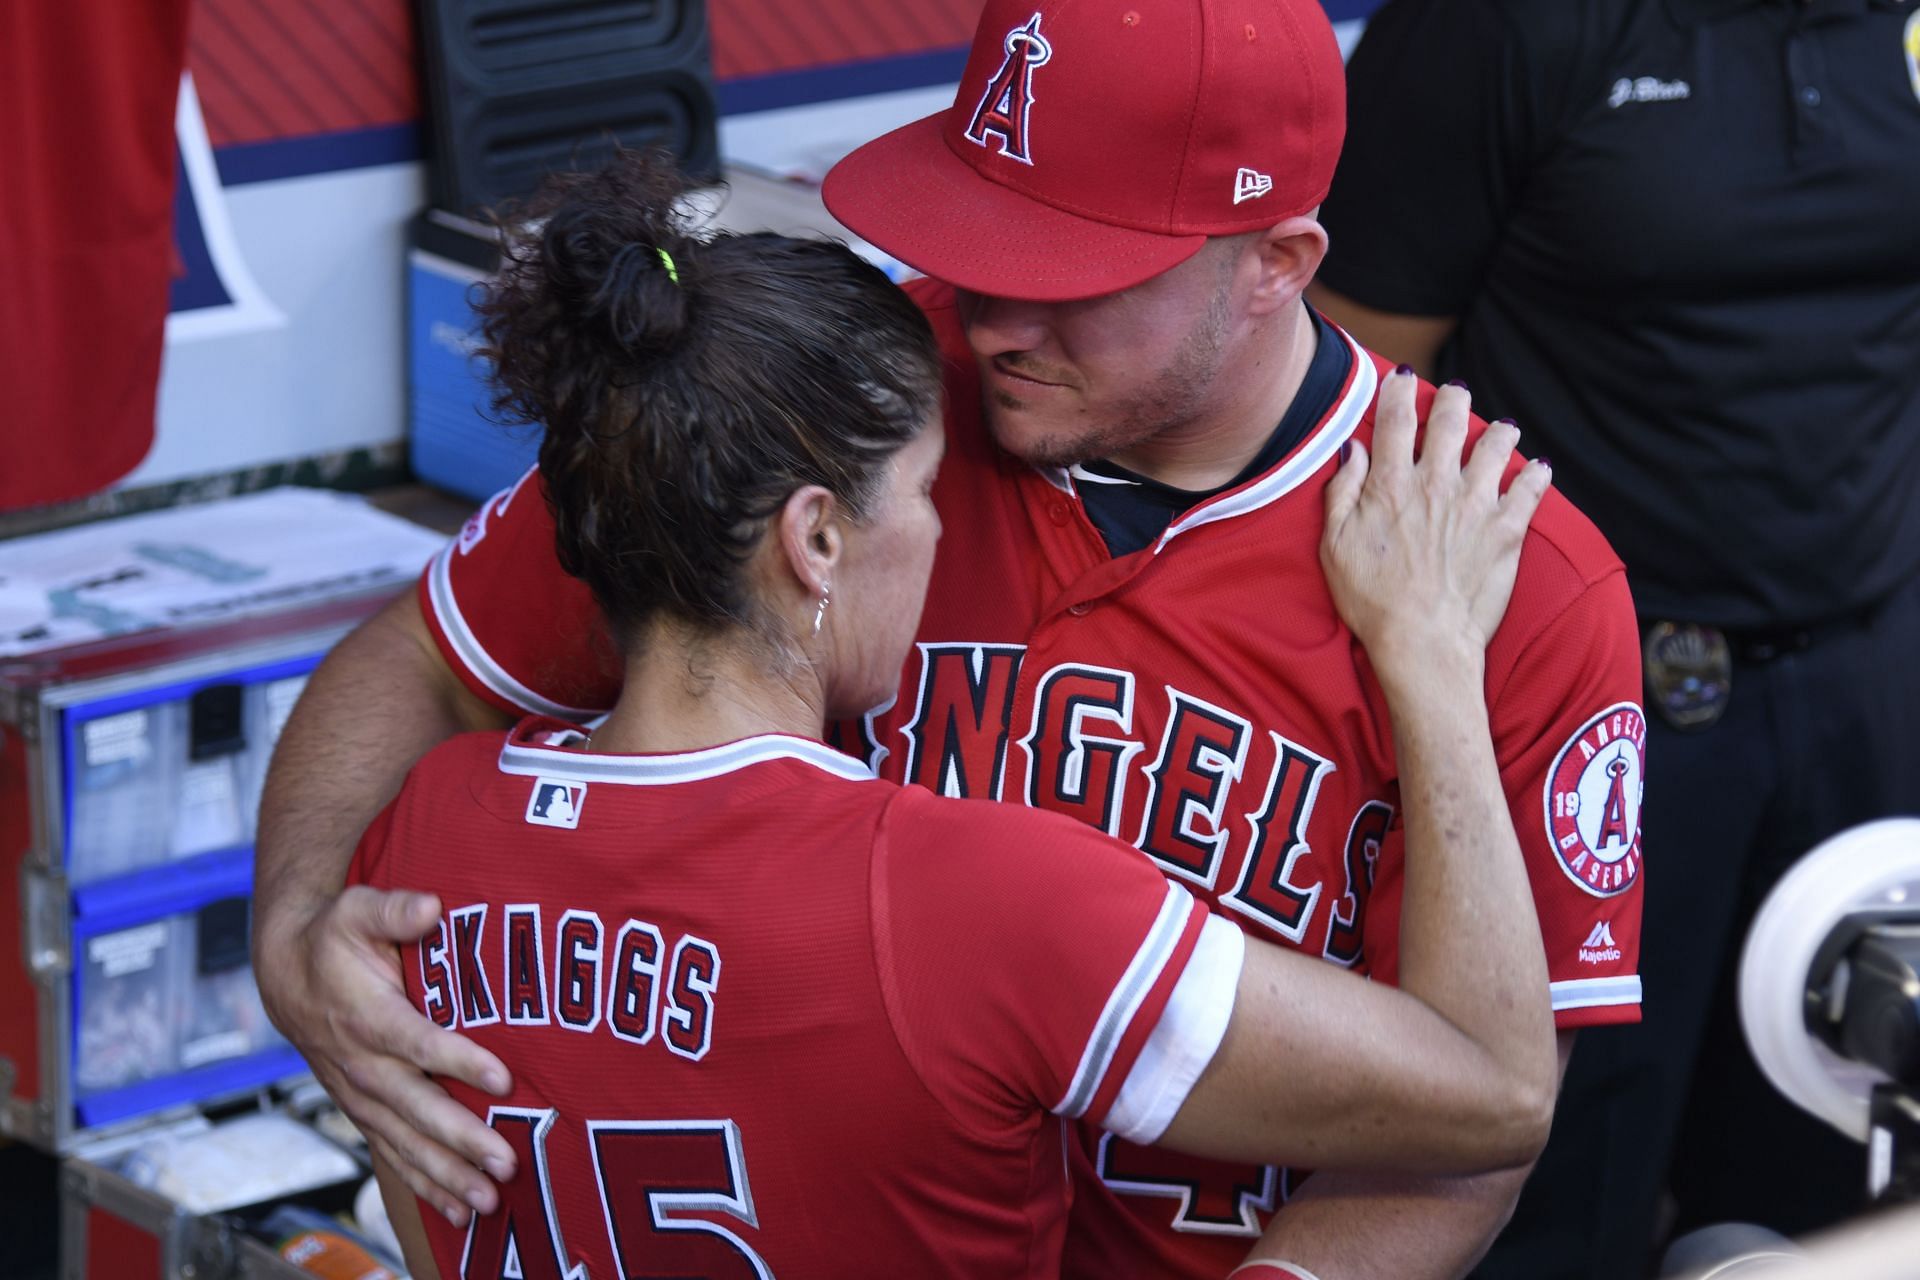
x,y
556,802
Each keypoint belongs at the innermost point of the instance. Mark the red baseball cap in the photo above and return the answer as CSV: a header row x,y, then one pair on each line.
x,y
1094,144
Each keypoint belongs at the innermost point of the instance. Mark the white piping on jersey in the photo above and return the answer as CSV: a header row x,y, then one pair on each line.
x,y
490,673
1079,472
1590,993
1313,455
691,766
1142,972
1186,1037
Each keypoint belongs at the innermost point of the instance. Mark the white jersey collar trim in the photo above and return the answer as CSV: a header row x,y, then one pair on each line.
x,y
533,761
1319,448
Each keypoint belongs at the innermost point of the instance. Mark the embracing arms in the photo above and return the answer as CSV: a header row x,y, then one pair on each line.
x,y
326,960
1455,1071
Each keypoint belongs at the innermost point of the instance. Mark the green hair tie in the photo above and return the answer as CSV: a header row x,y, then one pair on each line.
x,y
666,260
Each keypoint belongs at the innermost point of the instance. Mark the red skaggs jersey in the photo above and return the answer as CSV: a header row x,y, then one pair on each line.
x,y
1200,699
769,1015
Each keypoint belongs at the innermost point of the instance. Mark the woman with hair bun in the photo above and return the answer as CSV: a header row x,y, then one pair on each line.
x,y
767,1014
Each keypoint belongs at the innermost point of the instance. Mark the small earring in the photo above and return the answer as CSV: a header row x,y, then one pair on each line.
x,y
826,591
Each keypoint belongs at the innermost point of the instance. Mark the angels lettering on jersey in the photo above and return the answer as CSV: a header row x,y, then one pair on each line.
x,y
1241,810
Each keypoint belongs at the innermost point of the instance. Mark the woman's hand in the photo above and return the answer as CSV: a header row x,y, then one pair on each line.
x,y
1421,553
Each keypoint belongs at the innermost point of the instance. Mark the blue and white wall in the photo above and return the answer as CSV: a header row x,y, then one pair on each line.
x,y
300,146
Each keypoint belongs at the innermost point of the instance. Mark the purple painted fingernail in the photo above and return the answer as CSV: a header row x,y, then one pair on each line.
x,y
1545,462
1504,422
1455,382
1346,451
1404,370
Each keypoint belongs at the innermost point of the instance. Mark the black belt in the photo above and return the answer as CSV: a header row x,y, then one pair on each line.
x,y
1764,644
1689,665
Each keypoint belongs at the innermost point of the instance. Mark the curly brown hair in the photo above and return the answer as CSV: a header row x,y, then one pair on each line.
x,y
680,416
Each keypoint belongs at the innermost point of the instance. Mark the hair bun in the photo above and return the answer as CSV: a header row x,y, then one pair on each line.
x,y
613,273
593,244
639,302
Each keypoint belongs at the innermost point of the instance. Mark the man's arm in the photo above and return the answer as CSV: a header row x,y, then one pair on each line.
x,y
326,960
1423,200
1347,1225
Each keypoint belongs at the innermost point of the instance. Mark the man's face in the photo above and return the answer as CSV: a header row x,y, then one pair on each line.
x,y
1062,382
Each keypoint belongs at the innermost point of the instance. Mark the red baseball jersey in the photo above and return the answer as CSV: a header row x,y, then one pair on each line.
x,y
769,1015
1200,699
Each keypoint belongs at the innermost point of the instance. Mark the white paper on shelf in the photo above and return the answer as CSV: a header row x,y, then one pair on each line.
x,y
197,564
241,1161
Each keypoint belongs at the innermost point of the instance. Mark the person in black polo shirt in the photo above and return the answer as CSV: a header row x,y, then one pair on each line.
x,y
1679,241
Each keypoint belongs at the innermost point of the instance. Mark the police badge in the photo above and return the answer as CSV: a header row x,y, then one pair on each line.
x,y
1689,673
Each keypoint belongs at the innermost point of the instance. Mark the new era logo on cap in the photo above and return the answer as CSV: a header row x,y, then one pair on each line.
x,y
1250,184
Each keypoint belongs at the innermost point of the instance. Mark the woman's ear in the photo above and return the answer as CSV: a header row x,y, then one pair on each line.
x,y
811,538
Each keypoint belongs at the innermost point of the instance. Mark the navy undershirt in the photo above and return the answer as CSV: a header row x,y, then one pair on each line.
x,y
1132,511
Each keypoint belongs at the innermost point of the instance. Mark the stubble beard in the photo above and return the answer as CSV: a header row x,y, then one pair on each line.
x,y
1174,399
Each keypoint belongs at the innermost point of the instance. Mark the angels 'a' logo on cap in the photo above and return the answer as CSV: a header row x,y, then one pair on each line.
x,y
1008,99
1593,801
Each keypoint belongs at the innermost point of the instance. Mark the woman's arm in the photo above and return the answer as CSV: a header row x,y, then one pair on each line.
x,y
403,1211
1456,1070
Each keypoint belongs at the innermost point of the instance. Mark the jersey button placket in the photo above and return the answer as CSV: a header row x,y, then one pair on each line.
x,y
1813,129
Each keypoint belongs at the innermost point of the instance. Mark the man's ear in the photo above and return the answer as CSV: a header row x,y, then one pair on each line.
x,y
811,537
1284,259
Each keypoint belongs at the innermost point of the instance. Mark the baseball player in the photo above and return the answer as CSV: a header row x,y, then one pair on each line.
x,y
1128,622
755,991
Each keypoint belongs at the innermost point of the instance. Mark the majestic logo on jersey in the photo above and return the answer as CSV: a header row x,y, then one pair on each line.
x,y
1600,948
556,802
1250,184
1008,99
1910,41
1593,801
